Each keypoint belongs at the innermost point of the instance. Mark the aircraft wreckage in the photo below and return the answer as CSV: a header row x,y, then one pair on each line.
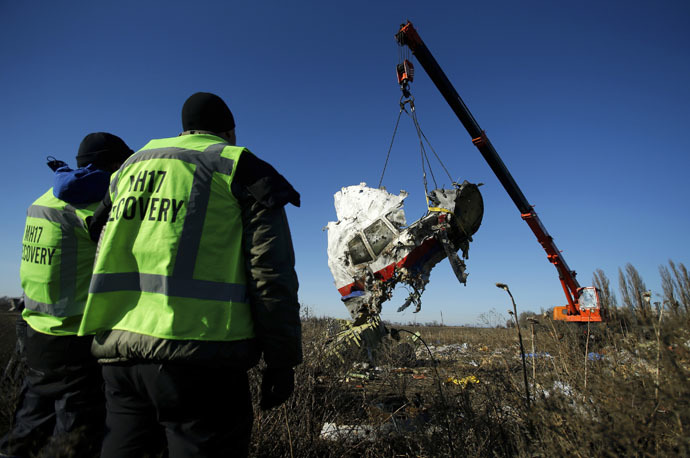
x,y
371,250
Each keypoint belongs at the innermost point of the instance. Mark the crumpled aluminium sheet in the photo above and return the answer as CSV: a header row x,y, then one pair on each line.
x,y
371,250
356,208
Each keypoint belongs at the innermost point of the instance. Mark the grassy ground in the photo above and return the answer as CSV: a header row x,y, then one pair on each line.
x,y
7,346
7,336
630,397
462,393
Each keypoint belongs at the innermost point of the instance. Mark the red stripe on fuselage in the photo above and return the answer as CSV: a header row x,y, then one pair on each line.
x,y
387,272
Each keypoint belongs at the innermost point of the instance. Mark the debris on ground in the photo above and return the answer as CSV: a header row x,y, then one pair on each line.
x,y
371,250
542,354
366,335
345,433
463,382
451,352
388,417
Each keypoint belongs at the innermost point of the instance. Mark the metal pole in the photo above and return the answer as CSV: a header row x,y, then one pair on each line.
x,y
503,286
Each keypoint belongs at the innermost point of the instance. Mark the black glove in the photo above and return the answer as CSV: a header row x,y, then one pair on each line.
x,y
55,164
277,385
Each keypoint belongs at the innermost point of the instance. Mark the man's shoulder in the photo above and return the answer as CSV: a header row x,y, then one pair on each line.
x,y
263,182
44,197
80,187
48,199
186,140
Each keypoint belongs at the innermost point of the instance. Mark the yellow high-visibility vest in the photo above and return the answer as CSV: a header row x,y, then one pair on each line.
x,y
56,266
170,261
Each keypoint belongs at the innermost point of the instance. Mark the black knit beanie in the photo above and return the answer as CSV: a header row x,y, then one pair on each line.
x,y
205,111
101,149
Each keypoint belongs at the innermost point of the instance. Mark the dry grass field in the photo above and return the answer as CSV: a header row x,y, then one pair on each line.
x,y
8,388
460,391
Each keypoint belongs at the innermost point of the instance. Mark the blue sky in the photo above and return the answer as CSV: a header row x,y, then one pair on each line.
x,y
588,104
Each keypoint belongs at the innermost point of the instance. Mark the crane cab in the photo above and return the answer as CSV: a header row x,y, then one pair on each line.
x,y
588,304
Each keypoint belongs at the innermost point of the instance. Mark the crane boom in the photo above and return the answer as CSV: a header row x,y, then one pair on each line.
x,y
587,309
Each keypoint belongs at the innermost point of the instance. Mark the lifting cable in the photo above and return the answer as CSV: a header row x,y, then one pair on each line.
x,y
405,73
402,108
422,138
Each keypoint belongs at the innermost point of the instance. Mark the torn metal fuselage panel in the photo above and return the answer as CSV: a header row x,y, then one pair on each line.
x,y
371,250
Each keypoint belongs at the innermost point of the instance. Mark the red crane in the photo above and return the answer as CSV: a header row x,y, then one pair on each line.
x,y
583,302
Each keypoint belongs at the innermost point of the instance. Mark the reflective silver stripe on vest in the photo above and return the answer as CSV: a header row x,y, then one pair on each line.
x,y
113,182
169,286
63,217
68,220
181,283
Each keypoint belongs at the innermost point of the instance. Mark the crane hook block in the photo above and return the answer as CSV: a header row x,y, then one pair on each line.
x,y
405,72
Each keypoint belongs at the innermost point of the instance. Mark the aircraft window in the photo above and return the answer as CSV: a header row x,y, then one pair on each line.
x,y
397,218
379,236
358,251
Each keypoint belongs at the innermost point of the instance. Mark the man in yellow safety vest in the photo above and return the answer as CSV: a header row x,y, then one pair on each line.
x,y
194,280
62,391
